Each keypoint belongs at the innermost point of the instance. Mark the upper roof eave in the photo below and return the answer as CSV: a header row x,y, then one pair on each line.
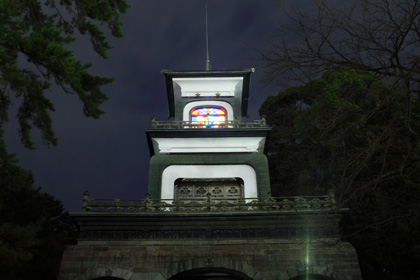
x,y
204,133
170,74
204,73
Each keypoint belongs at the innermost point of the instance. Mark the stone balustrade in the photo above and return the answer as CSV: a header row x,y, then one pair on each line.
x,y
283,204
188,125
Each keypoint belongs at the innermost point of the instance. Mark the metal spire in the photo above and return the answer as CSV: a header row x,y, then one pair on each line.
x,y
208,65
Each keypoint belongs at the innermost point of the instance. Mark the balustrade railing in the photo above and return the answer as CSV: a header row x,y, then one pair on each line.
x,y
187,124
287,204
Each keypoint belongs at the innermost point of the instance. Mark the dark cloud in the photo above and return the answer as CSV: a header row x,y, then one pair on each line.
x,y
109,157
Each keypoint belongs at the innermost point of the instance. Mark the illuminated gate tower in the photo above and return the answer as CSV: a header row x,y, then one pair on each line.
x,y
195,225
203,164
208,150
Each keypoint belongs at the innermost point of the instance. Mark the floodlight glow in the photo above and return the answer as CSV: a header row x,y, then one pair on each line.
x,y
307,254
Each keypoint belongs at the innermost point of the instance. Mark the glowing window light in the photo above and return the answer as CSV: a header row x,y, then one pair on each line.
x,y
212,117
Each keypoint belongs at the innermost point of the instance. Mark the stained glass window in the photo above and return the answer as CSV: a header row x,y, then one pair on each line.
x,y
213,117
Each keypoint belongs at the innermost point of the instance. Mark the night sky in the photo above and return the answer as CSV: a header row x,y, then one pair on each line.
x,y
109,157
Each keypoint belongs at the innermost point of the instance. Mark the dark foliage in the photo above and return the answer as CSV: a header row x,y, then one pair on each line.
x,y
34,226
34,53
345,132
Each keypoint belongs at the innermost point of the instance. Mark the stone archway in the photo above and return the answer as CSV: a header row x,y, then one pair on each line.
x,y
227,266
210,273
311,277
105,273
108,278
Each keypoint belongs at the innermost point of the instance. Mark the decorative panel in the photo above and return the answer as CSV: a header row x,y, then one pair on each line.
x,y
218,188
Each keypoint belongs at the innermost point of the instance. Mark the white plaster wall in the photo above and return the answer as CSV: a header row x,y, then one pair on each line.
x,y
209,86
223,104
209,145
243,171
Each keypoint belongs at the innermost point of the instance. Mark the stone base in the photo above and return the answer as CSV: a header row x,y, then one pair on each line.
x,y
257,259
172,246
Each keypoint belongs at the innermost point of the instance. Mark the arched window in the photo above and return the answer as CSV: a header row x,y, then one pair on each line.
x,y
244,175
212,117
